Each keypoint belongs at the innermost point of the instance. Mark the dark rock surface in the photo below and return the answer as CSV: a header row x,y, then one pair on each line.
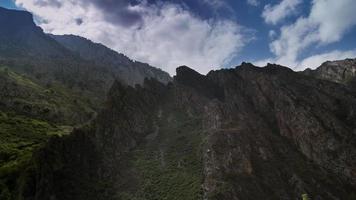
x,y
275,134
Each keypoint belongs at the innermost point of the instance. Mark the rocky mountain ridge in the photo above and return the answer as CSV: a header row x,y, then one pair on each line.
x,y
48,89
74,70
242,133
254,133
340,71
27,49
127,70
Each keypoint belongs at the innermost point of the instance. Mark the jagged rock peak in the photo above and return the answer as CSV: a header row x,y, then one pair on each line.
x,y
346,62
188,76
340,71
204,85
247,64
186,71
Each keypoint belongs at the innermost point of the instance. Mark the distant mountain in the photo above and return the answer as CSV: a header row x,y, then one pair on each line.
x,y
20,37
65,63
48,88
74,61
244,133
131,72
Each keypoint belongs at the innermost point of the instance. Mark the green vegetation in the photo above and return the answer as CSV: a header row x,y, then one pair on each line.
x,y
50,102
169,165
30,112
20,136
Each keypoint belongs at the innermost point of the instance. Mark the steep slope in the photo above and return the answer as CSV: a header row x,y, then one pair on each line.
x,y
27,49
54,103
20,37
19,137
131,72
244,133
340,71
47,89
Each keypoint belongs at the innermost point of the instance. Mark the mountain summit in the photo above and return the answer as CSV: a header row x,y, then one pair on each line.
x,y
12,20
71,63
58,57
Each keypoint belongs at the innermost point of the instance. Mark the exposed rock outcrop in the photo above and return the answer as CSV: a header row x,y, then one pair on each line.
x,y
341,71
255,133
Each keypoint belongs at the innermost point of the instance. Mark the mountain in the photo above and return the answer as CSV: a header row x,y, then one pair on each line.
x,y
20,37
341,71
131,72
243,133
49,89
81,121
25,48
60,79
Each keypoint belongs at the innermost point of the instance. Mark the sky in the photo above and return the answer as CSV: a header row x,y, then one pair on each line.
x,y
207,34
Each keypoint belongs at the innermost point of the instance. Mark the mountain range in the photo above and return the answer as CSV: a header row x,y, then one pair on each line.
x,y
81,121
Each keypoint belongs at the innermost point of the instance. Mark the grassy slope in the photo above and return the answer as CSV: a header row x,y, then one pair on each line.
x,y
169,164
19,137
52,102
23,131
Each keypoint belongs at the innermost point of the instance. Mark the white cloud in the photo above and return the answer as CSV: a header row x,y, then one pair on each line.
x,y
168,36
276,13
311,62
323,26
334,18
316,60
253,2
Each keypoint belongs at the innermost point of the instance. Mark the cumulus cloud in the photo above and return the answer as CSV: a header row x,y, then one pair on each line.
x,y
162,34
311,62
315,60
278,12
321,27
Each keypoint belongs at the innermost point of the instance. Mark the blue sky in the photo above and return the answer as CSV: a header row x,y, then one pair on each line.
x,y
207,34
7,4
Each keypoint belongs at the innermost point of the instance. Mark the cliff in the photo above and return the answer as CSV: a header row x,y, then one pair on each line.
x,y
254,133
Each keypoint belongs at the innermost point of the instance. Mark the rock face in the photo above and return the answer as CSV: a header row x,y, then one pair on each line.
x,y
243,133
341,71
